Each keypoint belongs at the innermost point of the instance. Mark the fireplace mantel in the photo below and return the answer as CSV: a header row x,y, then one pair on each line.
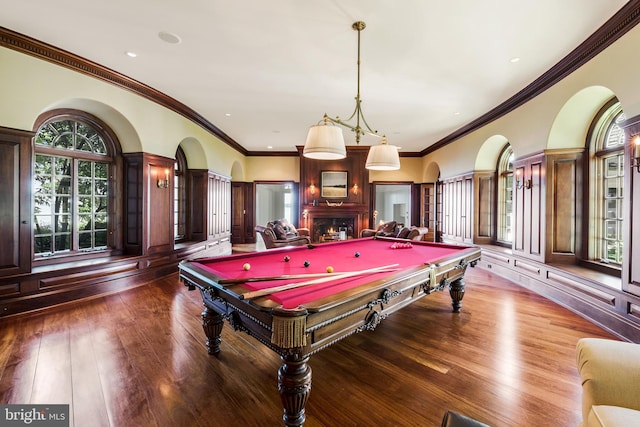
x,y
359,214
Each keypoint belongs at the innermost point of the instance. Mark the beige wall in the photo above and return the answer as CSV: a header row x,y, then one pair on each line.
x,y
29,87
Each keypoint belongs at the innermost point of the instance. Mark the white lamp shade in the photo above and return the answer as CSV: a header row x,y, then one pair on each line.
x,y
383,157
325,142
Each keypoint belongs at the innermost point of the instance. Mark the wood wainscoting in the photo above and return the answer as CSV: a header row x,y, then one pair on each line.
x,y
595,296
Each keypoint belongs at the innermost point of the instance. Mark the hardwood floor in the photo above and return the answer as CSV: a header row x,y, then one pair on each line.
x,y
138,358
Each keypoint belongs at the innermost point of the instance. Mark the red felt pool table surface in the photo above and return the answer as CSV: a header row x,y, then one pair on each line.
x,y
341,256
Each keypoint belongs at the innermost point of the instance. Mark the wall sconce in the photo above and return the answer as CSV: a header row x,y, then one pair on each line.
x,y
305,214
164,183
520,184
312,189
635,161
375,215
355,189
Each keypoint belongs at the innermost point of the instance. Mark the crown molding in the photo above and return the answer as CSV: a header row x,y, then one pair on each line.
x,y
619,24
29,46
623,21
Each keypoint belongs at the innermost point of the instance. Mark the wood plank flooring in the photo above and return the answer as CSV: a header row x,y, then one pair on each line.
x,y
138,358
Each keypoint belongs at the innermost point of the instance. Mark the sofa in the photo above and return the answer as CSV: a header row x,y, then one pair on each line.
x,y
280,233
393,229
610,376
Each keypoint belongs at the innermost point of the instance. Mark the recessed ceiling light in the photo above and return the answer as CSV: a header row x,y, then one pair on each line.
x,y
169,37
269,147
131,54
514,60
227,114
456,113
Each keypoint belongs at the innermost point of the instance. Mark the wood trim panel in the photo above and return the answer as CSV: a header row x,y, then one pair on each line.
x,y
15,210
610,308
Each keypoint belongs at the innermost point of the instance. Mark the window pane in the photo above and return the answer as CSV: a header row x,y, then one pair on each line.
x,y
101,239
101,170
42,224
63,242
100,204
63,204
84,240
101,187
611,167
62,224
84,186
64,141
612,209
45,136
42,245
84,205
100,222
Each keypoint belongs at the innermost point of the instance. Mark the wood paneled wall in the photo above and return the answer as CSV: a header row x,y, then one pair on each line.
x,y
15,209
146,228
529,207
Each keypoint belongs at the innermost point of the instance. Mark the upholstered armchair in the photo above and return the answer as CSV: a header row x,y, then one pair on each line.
x,y
280,233
610,375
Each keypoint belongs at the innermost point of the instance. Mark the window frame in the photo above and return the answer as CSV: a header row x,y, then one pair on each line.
x,y
504,169
598,133
114,186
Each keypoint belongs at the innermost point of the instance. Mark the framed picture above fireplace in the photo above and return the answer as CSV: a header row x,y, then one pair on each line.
x,y
333,184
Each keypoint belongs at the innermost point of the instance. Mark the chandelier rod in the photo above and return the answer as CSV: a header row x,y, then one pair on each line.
x,y
357,112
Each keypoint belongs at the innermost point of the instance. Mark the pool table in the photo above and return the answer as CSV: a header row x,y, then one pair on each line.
x,y
299,300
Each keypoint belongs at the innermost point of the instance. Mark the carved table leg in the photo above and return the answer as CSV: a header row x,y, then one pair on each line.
x,y
294,385
456,290
212,323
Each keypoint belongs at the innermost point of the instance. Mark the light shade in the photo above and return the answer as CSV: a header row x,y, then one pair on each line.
x,y
383,157
325,142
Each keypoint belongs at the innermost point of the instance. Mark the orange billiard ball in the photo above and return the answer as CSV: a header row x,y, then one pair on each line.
x,y
329,269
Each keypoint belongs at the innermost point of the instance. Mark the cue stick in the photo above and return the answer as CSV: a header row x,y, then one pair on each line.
x,y
334,276
270,278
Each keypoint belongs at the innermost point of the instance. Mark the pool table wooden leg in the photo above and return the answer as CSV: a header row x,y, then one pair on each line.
x,y
294,385
212,323
456,290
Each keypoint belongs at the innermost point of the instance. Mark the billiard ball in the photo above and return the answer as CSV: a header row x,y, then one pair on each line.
x,y
246,266
329,269
307,263
357,254
286,258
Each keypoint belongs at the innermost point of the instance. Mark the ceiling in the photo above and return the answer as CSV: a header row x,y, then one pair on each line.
x,y
264,71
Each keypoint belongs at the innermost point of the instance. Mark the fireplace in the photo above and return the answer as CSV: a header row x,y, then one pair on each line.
x,y
326,222
330,229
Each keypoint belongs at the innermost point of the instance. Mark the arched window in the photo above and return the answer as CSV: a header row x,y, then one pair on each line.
x,y
505,195
74,162
607,154
179,196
